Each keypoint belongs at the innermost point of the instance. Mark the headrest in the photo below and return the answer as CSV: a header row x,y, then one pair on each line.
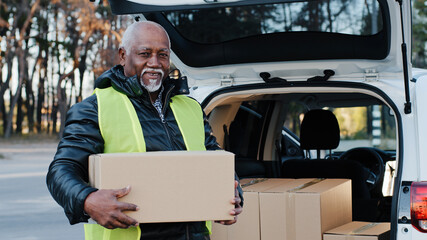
x,y
319,130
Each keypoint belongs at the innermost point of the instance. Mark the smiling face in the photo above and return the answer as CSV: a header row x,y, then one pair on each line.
x,y
146,54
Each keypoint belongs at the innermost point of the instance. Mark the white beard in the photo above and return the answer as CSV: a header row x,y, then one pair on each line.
x,y
153,85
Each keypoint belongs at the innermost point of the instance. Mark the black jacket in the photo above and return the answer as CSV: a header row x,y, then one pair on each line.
x,y
68,173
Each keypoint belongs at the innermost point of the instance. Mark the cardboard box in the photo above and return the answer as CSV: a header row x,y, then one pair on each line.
x,y
290,209
175,186
359,231
305,209
275,203
247,226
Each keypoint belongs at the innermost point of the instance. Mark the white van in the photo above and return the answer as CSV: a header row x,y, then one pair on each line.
x,y
260,67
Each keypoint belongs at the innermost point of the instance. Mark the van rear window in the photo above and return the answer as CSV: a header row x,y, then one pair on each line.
x,y
353,17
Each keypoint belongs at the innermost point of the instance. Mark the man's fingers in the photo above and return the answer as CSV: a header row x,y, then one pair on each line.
x,y
127,221
118,224
122,192
236,201
119,220
237,211
105,209
232,221
123,217
236,183
122,206
228,222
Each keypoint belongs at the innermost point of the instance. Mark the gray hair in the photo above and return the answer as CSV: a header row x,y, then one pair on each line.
x,y
129,34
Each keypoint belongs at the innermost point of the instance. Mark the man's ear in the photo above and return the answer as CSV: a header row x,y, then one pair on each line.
x,y
122,56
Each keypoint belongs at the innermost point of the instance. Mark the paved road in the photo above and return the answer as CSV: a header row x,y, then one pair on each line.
x,y
27,211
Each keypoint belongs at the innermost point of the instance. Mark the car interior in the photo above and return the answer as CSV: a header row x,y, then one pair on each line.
x,y
297,135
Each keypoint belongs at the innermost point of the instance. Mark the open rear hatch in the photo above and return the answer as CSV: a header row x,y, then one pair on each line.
x,y
293,40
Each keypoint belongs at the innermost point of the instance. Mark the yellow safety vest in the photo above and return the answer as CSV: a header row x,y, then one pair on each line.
x,y
121,130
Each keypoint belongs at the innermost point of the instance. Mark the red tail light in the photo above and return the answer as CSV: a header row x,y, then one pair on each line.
x,y
419,206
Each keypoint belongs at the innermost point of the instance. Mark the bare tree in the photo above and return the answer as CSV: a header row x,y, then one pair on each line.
x,y
20,53
47,42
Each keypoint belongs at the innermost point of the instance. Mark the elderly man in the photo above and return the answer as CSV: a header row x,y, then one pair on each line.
x,y
100,125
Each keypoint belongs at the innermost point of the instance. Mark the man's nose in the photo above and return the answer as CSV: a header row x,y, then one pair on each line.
x,y
153,61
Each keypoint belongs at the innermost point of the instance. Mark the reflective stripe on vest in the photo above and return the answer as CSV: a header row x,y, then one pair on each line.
x,y
121,130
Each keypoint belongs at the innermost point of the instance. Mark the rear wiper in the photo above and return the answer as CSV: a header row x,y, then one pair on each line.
x,y
328,73
266,77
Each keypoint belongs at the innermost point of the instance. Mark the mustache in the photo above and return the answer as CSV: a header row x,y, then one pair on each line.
x,y
157,70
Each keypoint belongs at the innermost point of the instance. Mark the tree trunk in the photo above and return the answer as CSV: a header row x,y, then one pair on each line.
x,y
19,52
82,69
5,86
13,100
62,100
54,117
49,108
2,107
3,112
62,107
29,105
42,72
40,100
29,93
9,125
19,114
54,112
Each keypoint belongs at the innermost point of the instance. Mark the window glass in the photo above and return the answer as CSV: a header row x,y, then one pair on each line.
x,y
371,126
355,17
367,126
245,130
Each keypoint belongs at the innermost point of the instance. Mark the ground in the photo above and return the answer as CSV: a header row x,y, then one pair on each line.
x,y
27,211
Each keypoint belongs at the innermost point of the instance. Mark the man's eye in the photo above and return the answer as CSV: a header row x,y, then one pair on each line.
x,y
144,54
163,55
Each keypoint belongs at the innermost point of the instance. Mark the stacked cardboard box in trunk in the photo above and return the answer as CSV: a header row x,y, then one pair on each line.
x,y
290,209
247,226
359,231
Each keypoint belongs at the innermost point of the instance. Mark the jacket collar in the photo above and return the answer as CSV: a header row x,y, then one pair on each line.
x,y
130,86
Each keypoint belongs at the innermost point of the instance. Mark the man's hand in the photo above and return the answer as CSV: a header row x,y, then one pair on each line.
x,y
237,208
103,207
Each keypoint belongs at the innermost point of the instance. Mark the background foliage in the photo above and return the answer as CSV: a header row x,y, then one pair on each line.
x,y
52,50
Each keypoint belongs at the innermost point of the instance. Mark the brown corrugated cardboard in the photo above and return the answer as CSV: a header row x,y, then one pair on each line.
x,y
305,209
247,225
248,222
170,186
249,181
273,208
359,231
289,209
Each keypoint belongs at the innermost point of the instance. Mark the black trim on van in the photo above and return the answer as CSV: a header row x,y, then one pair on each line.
x,y
284,46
